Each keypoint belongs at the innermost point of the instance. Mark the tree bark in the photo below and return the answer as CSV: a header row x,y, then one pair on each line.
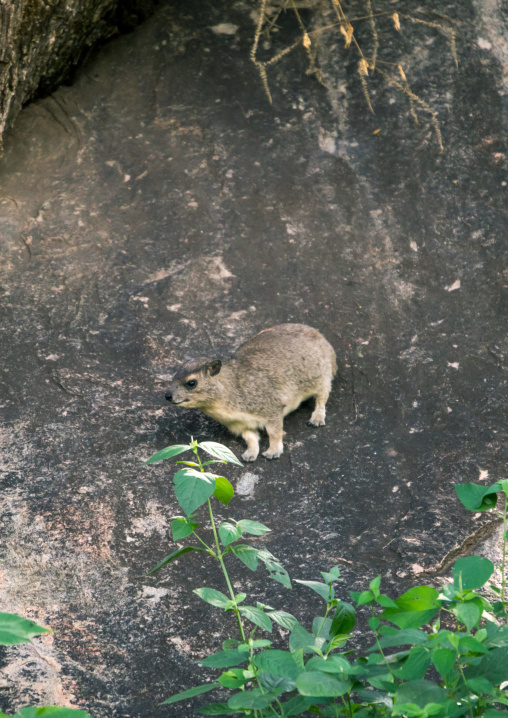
x,y
43,41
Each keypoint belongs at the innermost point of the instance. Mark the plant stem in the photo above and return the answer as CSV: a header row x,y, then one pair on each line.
x,y
376,636
219,556
324,619
503,565
224,571
346,706
467,689
208,548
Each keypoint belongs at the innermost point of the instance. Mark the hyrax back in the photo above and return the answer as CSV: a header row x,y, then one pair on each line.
x,y
270,375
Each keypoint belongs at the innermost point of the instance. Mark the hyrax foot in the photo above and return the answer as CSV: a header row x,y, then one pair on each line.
x,y
251,438
272,453
315,423
318,417
250,455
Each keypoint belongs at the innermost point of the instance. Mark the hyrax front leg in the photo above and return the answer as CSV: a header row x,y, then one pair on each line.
x,y
251,438
275,434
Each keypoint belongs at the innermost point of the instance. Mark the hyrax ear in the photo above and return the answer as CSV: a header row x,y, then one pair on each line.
x,y
213,367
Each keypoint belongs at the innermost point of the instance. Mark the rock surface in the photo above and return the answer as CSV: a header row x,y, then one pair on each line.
x,y
160,208
41,43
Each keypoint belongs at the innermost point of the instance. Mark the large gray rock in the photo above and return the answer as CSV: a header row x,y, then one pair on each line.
x,y
42,42
160,208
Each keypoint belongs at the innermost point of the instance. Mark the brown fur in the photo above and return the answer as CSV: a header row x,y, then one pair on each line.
x,y
270,375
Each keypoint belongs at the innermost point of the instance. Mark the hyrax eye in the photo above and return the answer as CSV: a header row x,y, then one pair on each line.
x,y
191,384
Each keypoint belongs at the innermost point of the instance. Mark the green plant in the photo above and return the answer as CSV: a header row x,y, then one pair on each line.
x,y
14,630
435,653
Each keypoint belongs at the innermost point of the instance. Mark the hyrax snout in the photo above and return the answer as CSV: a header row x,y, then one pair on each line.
x,y
268,377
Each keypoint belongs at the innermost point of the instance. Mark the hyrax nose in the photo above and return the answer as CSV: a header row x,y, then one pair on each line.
x,y
169,395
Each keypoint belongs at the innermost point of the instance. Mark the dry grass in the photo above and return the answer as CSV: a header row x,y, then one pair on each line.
x,y
342,22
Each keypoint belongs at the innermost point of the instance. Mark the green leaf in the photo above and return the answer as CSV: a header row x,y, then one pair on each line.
x,y
385,601
473,571
298,656
235,678
278,663
408,710
420,692
444,660
497,636
363,598
284,619
419,598
415,665
213,597
481,635
230,643
228,533
476,497
321,627
408,637
216,709
374,585
453,639
225,659
338,640
261,643
276,685
196,691
15,629
372,697
53,711
218,451
172,556
374,623
274,566
322,589
332,664
247,555
481,685
493,666
498,609
343,620
168,452
254,700
182,527
332,575
281,575
321,685
193,489
415,608
300,638
223,490
253,527
467,613
296,706
257,616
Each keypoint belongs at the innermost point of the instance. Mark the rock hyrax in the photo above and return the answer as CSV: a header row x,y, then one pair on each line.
x,y
268,377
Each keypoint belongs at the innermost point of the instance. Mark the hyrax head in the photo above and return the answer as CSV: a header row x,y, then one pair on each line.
x,y
193,385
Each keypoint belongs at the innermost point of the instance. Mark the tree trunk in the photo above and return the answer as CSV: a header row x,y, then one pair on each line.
x,y
43,41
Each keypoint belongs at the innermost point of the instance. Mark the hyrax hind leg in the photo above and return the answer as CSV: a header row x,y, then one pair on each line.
x,y
319,413
251,438
275,434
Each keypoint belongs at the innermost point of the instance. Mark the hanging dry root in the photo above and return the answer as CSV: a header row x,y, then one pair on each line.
x,y
368,64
